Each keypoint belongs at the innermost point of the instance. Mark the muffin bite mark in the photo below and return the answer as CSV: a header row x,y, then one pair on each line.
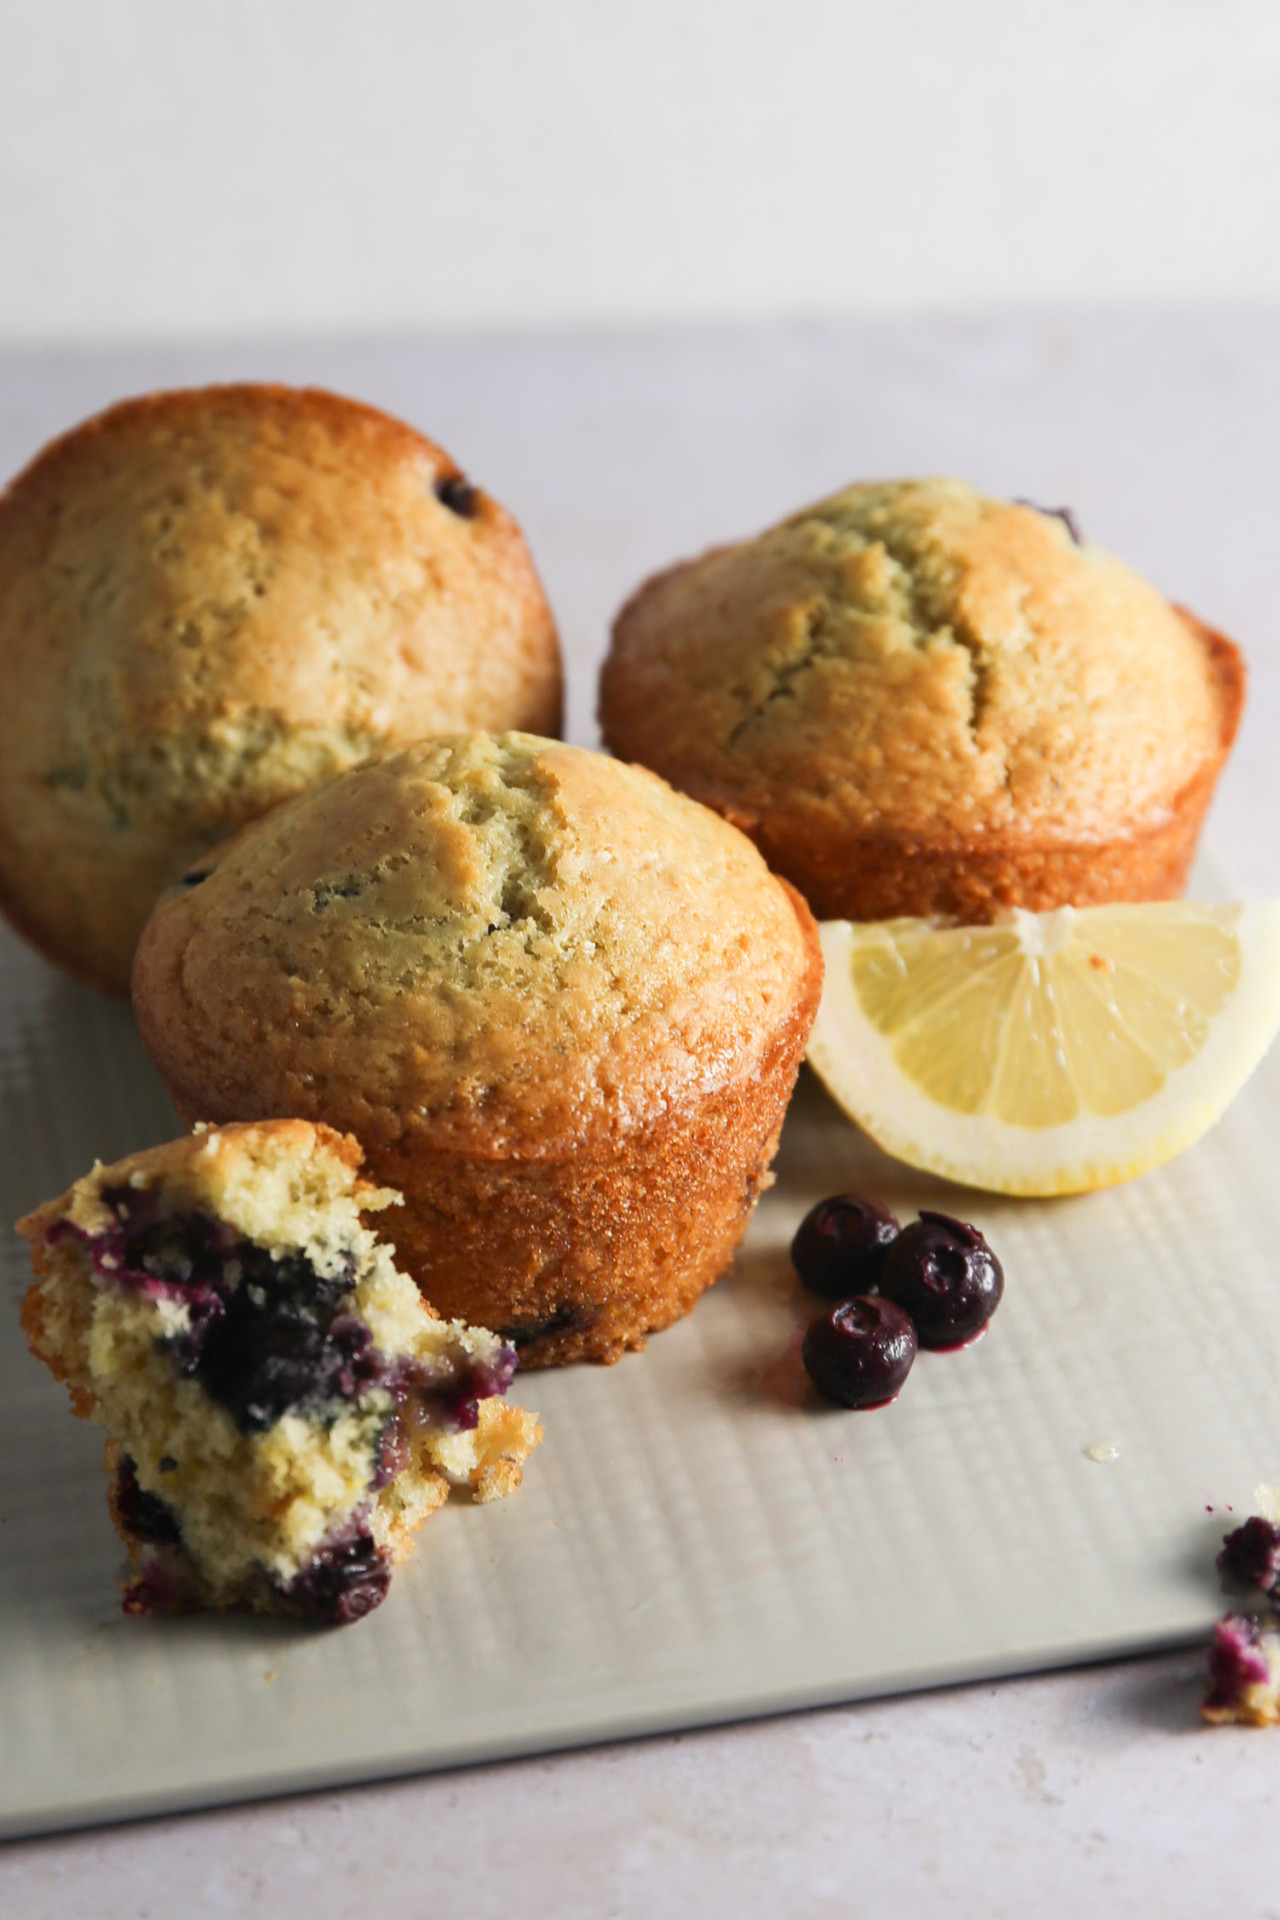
x,y
283,1409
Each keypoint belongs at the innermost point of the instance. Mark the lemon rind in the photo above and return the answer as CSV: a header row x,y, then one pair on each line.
x,y
857,1066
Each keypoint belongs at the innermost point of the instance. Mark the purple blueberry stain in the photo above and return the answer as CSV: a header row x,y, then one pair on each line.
x,y
156,1590
1236,1661
145,1515
346,1578
394,1453
455,1403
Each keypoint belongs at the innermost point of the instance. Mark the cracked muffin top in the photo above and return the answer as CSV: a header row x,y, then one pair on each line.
x,y
210,599
924,663
497,944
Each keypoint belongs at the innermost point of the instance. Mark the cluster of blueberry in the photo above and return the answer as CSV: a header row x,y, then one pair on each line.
x,y
934,1284
1250,1557
267,1335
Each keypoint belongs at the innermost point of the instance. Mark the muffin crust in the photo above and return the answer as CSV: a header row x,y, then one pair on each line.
x,y
211,599
564,1004
919,700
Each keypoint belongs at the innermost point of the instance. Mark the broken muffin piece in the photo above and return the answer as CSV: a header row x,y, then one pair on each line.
x,y
1244,1674
283,1411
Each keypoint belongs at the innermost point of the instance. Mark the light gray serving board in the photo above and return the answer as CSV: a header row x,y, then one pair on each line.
x,y
691,1545
696,1540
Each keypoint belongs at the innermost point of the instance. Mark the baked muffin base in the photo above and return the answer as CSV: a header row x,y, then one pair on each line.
x,y
582,1260
846,874
582,1257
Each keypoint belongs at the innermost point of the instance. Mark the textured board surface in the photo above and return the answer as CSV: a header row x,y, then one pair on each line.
x,y
691,1544
696,1540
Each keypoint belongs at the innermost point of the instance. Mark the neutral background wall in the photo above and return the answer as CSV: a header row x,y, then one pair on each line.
x,y
170,169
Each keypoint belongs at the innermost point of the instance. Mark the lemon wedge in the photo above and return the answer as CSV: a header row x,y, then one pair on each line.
x,y
1051,1052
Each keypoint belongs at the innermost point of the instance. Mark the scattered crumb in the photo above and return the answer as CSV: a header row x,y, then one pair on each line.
x,y
1244,1658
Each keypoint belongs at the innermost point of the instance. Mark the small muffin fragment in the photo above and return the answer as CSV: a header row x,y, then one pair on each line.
x,y
283,1410
1244,1674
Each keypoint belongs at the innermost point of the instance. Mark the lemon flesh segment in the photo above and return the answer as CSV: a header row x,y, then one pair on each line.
x,y
1050,1053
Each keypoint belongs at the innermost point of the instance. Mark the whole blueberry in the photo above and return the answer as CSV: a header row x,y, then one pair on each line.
x,y
456,492
943,1273
860,1353
840,1244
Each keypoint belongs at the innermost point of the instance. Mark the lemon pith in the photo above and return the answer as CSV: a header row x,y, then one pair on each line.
x,y
1051,1052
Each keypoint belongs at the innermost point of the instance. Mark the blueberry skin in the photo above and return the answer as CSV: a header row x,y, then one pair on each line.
x,y
1064,514
456,492
347,1577
840,1245
145,1515
942,1272
860,1353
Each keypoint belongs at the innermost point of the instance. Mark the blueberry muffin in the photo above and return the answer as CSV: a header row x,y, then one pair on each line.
x,y
920,701
282,1409
561,1007
211,599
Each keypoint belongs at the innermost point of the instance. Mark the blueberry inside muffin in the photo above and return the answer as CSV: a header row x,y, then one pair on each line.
x,y
1244,1674
282,1409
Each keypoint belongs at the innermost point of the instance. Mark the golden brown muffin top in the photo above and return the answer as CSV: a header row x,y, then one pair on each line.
x,y
495,943
211,598
925,662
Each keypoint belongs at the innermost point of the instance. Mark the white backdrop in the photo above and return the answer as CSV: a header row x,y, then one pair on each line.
x,y
174,168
